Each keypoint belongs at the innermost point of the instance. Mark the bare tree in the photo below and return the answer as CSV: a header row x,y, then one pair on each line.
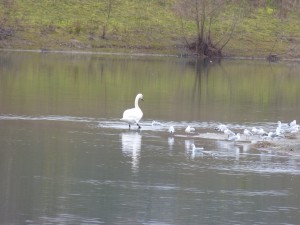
x,y
285,6
204,13
108,11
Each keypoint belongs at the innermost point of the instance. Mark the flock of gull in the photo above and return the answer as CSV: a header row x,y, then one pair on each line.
x,y
279,132
133,116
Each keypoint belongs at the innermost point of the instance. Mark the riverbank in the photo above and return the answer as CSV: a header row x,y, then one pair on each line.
x,y
144,27
120,52
231,51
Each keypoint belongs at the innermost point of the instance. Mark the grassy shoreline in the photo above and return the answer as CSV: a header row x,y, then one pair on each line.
x,y
119,52
141,27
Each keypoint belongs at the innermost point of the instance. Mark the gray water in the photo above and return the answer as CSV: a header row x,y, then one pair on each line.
x,y
66,158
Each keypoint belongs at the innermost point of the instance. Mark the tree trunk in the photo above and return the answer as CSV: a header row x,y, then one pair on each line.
x,y
109,9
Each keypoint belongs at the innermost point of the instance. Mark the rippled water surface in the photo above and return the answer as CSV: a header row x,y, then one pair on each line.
x,y
66,158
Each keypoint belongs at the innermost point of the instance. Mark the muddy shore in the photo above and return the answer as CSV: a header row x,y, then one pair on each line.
x,y
289,144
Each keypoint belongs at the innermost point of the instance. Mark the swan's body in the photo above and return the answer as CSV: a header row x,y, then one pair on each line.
x,y
134,115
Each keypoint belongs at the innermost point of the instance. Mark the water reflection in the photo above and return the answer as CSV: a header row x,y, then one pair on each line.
x,y
131,147
231,148
171,143
79,175
189,153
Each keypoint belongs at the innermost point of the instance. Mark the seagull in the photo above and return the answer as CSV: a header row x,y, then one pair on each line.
x,y
189,129
283,128
194,148
283,125
279,128
196,151
133,115
262,132
247,133
155,123
171,130
254,130
278,131
272,135
293,123
293,129
228,132
221,127
235,137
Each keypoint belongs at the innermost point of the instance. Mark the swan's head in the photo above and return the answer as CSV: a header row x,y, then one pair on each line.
x,y
140,96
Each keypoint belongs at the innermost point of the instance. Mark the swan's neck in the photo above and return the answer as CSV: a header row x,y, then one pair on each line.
x,y
136,102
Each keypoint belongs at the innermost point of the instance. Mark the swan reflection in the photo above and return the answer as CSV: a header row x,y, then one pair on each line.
x,y
131,147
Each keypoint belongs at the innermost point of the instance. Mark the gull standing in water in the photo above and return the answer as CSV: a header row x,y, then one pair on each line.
x,y
133,115
194,148
293,123
228,132
254,130
196,151
190,129
294,129
221,127
155,123
235,137
247,133
291,127
171,130
273,135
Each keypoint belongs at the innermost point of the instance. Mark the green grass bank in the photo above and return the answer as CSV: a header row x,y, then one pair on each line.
x,y
142,26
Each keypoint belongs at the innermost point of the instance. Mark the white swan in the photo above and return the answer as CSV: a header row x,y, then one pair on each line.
x,y
133,116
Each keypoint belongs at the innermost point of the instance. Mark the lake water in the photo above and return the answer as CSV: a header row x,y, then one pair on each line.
x,y
66,158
